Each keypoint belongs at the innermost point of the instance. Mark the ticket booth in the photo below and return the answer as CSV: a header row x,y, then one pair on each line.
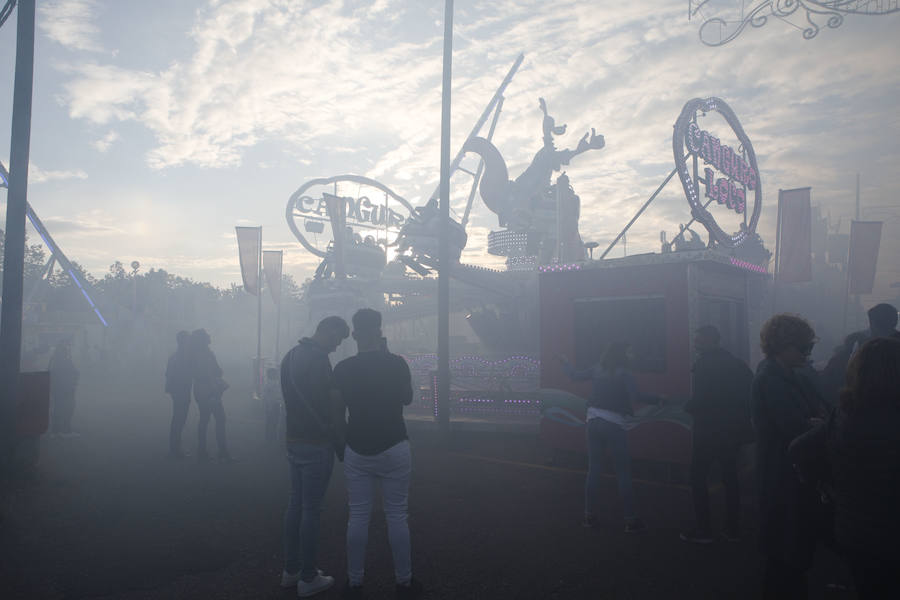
x,y
654,302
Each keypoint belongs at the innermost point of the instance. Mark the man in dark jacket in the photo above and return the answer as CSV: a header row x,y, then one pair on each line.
x,y
720,405
307,385
179,379
208,389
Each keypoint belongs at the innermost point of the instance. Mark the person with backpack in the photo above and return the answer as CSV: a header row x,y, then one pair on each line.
x,y
608,411
307,383
720,406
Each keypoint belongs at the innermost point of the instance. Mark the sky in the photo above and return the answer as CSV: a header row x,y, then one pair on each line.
x,y
160,126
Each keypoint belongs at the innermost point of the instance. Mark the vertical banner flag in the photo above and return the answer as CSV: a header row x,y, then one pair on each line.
x,y
248,239
272,266
865,238
794,236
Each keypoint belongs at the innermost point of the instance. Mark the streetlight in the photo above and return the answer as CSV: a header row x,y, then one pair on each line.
x,y
590,246
135,265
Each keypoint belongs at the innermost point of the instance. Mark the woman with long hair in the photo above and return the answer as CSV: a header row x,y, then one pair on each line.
x,y
855,459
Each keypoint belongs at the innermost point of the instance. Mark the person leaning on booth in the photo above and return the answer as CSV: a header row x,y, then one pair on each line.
x,y
608,411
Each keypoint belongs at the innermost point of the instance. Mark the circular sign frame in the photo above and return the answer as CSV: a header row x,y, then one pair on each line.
x,y
295,202
689,141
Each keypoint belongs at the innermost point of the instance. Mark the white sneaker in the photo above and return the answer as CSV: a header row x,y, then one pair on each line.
x,y
320,583
289,580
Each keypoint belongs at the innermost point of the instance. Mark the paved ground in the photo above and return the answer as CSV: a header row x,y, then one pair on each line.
x,y
109,516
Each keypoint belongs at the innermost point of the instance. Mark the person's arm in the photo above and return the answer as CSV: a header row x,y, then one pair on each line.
x,y
808,453
576,374
406,391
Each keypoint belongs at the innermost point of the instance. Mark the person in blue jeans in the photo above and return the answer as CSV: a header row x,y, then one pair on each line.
x,y
608,412
306,386
373,387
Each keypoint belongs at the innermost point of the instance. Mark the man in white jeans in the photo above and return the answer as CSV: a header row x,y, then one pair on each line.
x,y
373,387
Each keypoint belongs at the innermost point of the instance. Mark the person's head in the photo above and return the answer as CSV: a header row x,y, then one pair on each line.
x,y
873,376
788,339
272,374
181,338
706,338
882,320
615,357
330,332
199,338
367,329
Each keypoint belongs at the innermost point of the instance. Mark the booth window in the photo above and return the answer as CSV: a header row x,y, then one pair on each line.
x,y
640,321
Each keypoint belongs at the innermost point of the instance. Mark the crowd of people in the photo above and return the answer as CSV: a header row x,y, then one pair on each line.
x,y
827,446
827,442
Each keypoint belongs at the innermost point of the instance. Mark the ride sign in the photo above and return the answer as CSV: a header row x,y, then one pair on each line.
x,y
730,177
381,218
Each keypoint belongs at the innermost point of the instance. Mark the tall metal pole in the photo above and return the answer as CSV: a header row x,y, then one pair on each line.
x,y
14,247
444,233
259,294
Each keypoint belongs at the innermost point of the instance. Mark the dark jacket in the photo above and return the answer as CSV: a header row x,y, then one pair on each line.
x,y
720,398
856,459
790,511
306,383
207,375
179,375
611,391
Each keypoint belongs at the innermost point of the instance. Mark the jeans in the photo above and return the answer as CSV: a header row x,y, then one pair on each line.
x,y
211,407
63,409
310,466
180,404
601,433
707,450
392,468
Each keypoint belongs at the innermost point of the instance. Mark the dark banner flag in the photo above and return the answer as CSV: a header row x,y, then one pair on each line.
x,y
249,240
272,260
794,244
865,238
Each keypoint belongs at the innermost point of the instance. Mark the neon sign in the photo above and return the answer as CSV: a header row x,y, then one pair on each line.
x,y
729,177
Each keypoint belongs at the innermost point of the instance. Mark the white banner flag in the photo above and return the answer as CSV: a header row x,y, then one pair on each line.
x,y
249,241
272,260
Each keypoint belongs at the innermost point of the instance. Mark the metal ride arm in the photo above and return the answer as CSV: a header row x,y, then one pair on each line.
x,y
484,116
55,252
638,214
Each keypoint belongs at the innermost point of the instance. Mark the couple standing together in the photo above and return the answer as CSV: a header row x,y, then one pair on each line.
x,y
373,387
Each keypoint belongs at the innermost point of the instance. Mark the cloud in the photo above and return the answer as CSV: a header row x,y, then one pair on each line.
x,y
39,175
71,23
104,143
355,87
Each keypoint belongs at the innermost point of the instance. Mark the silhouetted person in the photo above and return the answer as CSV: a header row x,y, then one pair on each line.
x,y
374,386
179,379
272,403
608,409
883,321
855,458
306,385
63,383
784,405
720,405
208,389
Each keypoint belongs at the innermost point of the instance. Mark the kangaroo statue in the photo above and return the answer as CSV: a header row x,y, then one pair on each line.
x,y
514,202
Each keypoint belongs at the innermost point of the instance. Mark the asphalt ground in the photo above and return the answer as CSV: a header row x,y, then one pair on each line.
x,y
109,515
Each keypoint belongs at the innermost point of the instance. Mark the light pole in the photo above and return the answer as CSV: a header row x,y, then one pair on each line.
x,y
135,265
444,234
